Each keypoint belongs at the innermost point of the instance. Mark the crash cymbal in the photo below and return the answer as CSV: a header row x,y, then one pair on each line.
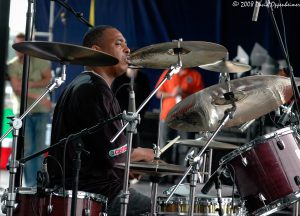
x,y
193,53
65,53
254,96
223,66
200,143
153,168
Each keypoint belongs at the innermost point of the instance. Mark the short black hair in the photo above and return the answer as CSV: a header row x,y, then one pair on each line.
x,y
93,36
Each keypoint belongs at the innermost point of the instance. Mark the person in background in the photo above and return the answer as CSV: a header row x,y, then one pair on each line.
x,y
85,102
36,121
186,82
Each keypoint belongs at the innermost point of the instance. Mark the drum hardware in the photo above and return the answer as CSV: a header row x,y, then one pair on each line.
x,y
272,173
65,54
193,54
244,161
16,124
228,114
174,68
202,110
246,125
50,206
262,198
287,113
154,179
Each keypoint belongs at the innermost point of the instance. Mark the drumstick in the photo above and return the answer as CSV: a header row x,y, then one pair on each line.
x,y
169,145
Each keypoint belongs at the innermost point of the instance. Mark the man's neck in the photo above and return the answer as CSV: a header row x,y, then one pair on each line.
x,y
104,74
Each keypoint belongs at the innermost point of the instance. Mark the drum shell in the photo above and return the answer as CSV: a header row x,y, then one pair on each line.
x,y
29,203
272,164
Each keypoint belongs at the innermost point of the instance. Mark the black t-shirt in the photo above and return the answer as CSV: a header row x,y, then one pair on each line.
x,y
85,102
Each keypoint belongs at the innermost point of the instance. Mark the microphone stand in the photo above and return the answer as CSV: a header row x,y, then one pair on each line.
x,y
76,139
16,124
131,123
79,15
24,88
286,55
228,114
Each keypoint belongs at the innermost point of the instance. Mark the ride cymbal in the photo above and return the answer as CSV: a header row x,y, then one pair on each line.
x,y
65,53
153,168
254,96
193,53
223,66
200,143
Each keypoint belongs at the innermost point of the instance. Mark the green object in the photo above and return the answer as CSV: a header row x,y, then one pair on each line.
x,y
6,121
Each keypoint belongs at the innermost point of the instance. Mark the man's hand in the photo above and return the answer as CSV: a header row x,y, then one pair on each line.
x,y
142,154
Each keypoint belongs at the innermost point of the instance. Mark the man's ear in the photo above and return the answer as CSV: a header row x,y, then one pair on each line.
x,y
96,47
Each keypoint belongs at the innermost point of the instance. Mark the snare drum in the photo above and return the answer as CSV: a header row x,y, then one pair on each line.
x,y
54,204
204,205
267,171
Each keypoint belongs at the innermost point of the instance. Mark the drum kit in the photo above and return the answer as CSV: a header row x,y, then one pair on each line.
x,y
265,171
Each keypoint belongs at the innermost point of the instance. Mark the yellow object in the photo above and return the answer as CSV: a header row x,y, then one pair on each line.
x,y
92,13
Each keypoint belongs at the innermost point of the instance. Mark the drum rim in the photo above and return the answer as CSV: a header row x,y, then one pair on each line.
x,y
278,204
242,149
68,193
82,195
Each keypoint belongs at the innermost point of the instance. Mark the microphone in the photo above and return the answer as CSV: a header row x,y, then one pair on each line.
x,y
246,125
256,10
131,103
212,180
286,115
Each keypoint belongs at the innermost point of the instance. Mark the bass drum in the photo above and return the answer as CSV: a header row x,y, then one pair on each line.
x,y
55,204
267,171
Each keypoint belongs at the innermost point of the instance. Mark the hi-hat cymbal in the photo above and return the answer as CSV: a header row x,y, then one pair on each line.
x,y
154,168
254,96
65,53
193,53
200,143
223,66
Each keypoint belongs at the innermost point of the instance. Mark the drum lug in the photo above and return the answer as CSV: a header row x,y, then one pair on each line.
x,y
280,144
49,209
87,212
50,206
262,198
297,180
244,161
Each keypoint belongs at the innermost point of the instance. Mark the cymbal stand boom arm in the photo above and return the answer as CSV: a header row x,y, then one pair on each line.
x,y
228,114
16,124
171,72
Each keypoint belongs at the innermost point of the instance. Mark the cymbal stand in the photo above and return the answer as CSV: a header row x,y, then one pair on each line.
x,y
156,179
171,71
228,114
16,124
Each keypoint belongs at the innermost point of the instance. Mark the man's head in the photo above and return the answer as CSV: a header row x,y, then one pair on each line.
x,y
110,40
19,38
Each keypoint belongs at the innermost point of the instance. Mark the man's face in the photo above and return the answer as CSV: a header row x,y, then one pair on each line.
x,y
114,43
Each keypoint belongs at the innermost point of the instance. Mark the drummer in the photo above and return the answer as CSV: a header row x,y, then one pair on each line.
x,y
86,101
186,82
